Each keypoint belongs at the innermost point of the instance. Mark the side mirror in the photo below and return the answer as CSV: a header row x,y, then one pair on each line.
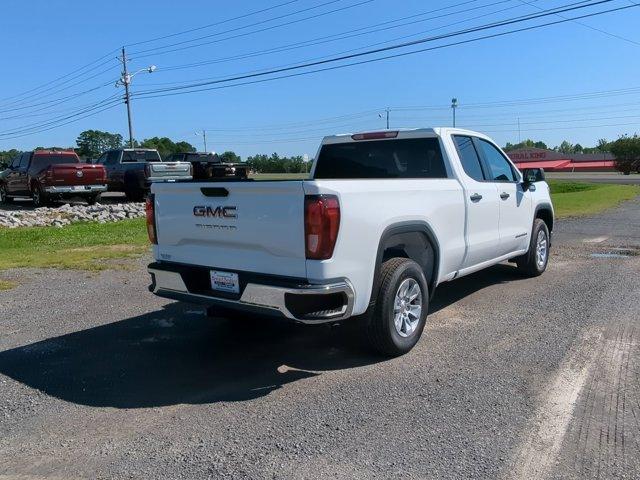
x,y
531,176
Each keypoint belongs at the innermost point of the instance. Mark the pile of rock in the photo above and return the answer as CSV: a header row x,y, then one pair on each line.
x,y
66,214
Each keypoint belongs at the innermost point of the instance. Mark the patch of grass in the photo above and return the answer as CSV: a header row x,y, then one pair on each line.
x,y
85,246
7,285
574,199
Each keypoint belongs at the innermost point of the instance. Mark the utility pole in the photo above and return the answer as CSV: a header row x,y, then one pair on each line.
x,y
387,114
204,138
126,80
454,105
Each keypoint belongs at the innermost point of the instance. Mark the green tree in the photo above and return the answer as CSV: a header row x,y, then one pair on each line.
x,y
6,157
91,143
166,146
565,147
627,152
230,157
528,143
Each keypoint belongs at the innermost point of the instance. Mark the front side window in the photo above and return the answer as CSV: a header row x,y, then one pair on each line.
x,y
400,158
501,170
469,157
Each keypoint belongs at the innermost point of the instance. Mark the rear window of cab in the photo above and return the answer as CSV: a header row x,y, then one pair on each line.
x,y
43,160
398,158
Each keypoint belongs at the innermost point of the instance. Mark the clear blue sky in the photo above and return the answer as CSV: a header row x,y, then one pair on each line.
x,y
43,40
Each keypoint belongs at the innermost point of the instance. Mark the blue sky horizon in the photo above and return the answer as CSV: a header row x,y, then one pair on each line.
x,y
573,81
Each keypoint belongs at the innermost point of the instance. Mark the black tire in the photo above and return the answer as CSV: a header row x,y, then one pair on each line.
x,y
530,264
382,333
93,199
4,199
38,196
135,194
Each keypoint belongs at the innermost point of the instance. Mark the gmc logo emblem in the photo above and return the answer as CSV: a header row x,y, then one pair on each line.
x,y
219,212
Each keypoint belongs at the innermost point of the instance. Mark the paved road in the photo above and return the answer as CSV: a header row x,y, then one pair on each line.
x,y
598,177
514,378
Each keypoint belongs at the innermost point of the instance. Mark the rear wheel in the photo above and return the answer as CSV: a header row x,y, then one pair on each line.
x,y
535,261
400,313
38,196
134,194
93,199
3,195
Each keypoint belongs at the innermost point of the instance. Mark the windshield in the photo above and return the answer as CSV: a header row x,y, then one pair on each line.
x,y
141,156
402,158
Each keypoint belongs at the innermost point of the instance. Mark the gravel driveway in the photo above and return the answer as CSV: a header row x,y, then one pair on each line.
x,y
514,378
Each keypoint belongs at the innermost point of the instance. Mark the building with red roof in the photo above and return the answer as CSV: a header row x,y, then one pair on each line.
x,y
553,161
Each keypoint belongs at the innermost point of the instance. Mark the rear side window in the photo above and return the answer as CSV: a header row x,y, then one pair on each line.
x,y
24,159
140,156
112,158
469,157
405,158
501,170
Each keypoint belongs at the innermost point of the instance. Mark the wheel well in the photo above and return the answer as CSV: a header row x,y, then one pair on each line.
x,y
546,216
415,245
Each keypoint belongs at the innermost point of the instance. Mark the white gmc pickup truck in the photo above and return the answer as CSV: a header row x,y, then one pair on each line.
x,y
384,218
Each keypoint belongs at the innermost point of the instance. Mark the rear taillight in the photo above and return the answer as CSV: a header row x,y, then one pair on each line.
x,y
321,224
151,220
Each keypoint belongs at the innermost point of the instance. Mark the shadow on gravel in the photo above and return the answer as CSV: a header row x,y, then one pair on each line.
x,y
177,355
450,292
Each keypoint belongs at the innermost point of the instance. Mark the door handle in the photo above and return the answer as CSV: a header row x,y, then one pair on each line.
x,y
504,195
476,197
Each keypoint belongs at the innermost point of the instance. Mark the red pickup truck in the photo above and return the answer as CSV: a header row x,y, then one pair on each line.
x,y
47,175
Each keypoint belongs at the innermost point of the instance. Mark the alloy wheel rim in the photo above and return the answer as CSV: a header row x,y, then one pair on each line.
x,y
36,197
541,249
407,307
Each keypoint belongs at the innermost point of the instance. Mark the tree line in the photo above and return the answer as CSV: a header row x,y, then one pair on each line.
x,y
91,143
603,146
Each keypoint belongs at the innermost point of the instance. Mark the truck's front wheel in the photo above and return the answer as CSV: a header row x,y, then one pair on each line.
x,y
400,313
534,262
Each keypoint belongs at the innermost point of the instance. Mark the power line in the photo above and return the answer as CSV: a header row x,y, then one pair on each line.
x,y
159,92
32,99
74,72
246,15
619,37
145,53
337,36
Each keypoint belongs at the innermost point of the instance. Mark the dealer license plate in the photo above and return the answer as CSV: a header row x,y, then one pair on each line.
x,y
225,281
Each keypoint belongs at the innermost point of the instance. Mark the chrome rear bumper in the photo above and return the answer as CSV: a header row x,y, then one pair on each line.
x,y
76,189
269,299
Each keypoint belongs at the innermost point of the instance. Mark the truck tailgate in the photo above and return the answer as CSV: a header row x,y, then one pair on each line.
x,y
163,171
237,226
77,174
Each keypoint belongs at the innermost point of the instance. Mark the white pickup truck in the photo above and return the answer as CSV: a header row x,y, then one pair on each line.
x,y
384,218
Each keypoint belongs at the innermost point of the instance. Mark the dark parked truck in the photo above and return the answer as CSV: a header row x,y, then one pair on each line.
x,y
208,166
48,175
132,170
